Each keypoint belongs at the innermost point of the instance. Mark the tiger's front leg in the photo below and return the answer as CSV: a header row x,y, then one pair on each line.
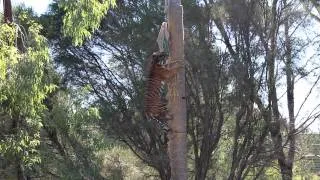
x,y
171,69
174,65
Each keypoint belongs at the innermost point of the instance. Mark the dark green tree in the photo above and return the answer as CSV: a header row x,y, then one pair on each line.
x,y
116,82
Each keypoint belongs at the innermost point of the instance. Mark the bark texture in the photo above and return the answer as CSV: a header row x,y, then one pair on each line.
x,y
177,145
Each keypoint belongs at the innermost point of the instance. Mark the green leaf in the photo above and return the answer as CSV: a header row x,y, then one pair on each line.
x,y
83,17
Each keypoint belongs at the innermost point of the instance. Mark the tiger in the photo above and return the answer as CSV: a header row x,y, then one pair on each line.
x,y
158,73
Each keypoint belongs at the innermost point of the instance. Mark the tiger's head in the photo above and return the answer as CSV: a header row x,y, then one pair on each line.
x,y
159,58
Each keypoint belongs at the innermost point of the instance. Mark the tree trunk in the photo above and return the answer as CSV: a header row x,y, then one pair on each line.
x,y
8,18
177,145
21,172
204,160
274,115
290,97
164,174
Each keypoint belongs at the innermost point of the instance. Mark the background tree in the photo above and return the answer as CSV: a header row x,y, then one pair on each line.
x,y
116,84
83,17
239,99
246,60
23,87
251,21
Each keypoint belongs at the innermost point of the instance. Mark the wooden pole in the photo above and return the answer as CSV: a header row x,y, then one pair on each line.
x,y
177,145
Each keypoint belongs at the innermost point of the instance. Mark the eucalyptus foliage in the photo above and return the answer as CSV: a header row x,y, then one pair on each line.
x,y
71,127
23,87
82,17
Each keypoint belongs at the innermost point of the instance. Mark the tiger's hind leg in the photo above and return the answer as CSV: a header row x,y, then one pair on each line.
x,y
165,115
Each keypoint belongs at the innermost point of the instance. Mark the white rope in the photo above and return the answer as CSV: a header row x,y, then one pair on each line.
x,y
163,38
166,6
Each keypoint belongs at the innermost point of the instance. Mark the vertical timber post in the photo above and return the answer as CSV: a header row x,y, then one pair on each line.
x,y
177,145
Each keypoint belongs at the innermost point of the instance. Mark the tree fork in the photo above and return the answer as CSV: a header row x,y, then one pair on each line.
x,y
177,145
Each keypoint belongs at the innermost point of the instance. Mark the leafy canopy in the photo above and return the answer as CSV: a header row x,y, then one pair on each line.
x,y
82,17
23,87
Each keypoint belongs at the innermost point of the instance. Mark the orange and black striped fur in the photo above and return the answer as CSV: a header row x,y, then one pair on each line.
x,y
157,73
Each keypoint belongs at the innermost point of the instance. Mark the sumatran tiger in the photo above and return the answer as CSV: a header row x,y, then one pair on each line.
x,y
158,72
